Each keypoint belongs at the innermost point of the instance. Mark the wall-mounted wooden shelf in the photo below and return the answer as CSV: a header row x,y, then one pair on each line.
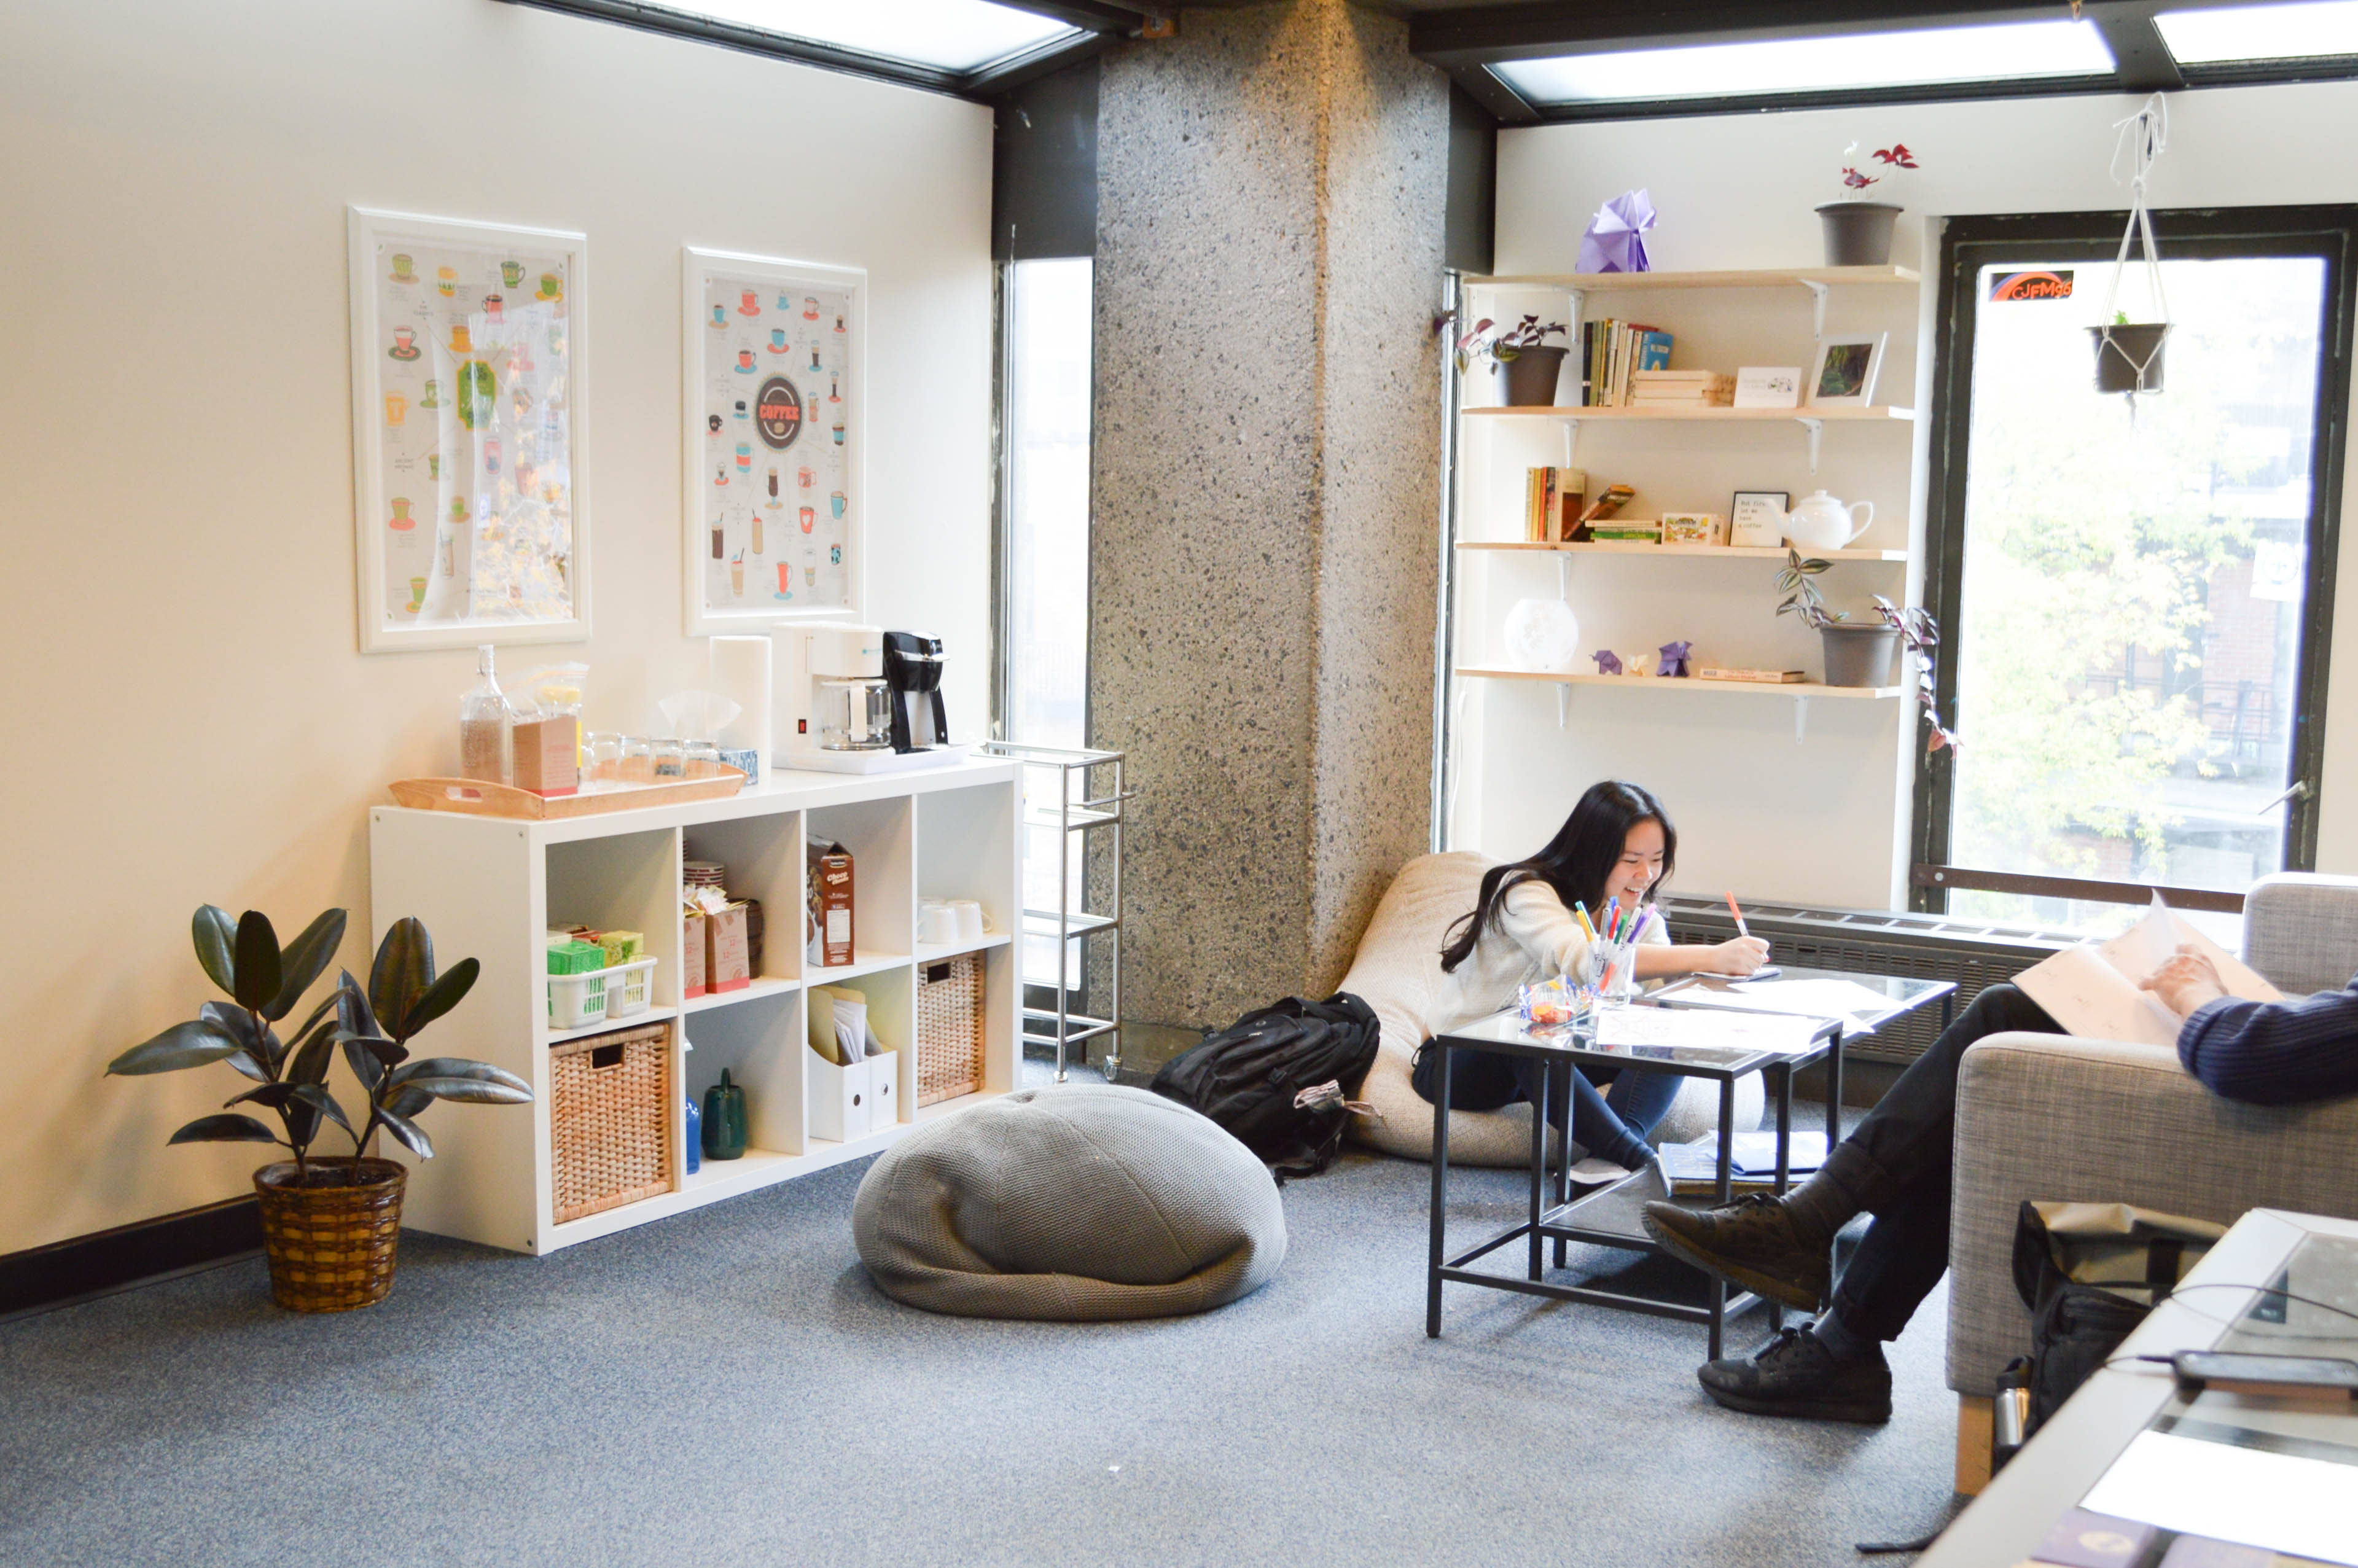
x,y
1688,684
1682,552
1882,414
1646,282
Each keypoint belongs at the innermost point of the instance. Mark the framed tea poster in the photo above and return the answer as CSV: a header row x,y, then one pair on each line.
x,y
772,373
469,368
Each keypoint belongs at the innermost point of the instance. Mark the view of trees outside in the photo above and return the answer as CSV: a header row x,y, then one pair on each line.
x,y
2133,589
1049,392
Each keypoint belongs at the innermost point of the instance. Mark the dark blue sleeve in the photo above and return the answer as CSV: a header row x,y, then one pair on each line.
x,y
2275,1053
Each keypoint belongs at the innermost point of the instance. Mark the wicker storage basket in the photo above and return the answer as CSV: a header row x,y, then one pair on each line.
x,y
331,1247
949,1027
609,1116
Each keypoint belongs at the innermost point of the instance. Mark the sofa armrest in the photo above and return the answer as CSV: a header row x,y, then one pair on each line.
x,y
2055,1117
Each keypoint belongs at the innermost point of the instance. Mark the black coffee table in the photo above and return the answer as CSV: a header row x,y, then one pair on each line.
x,y
1716,1041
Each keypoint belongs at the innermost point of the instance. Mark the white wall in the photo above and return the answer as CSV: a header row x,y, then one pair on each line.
x,y
1825,820
187,717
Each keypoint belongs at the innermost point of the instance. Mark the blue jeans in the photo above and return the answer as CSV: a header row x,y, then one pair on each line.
x,y
1611,1125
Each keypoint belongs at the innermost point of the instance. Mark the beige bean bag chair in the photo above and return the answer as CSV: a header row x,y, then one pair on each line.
x,y
1077,1203
1398,970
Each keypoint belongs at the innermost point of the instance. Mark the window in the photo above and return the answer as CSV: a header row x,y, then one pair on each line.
x,y
2135,594
948,34
2217,35
1046,391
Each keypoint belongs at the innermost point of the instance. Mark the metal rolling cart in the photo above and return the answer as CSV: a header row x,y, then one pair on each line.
x,y
1080,807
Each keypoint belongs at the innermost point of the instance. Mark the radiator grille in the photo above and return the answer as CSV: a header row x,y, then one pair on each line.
x,y
1976,954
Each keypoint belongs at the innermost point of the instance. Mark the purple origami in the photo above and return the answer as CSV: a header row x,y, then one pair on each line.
x,y
1616,241
1609,663
1674,659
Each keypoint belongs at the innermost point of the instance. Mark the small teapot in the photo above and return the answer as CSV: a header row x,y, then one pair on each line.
x,y
1819,521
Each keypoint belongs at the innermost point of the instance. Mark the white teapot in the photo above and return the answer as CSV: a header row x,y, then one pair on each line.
x,y
1819,521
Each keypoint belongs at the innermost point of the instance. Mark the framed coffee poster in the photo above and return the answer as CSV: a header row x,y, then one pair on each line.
x,y
469,372
772,373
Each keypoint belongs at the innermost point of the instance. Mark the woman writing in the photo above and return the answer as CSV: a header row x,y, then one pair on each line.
x,y
1615,847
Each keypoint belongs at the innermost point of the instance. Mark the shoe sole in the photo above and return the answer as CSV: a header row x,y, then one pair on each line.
x,y
1776,1290
1804,1409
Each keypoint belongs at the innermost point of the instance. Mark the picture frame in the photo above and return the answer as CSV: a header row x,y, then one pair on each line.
x,y
1756,518
469,373
773,518
1844,374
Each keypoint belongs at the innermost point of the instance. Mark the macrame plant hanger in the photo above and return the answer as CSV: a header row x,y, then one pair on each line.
x,y
2143,135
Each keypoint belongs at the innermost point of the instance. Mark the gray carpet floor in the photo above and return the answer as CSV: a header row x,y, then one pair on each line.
x,y
728,1387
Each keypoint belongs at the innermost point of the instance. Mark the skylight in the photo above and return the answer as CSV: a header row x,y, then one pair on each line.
x,y
949,35
2003,51
2261,32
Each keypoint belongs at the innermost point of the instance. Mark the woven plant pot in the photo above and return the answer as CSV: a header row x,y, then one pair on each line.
x,y
330,1246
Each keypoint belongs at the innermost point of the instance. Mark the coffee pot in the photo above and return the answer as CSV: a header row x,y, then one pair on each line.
x,y
1819,521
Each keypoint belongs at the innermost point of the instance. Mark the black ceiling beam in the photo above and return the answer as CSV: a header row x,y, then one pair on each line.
x,y
1483,85
2141,61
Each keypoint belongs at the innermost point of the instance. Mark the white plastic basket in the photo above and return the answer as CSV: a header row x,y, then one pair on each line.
x,y
601,995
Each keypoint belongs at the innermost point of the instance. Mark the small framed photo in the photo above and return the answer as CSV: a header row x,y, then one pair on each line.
x,y
1844,374
1769,386
1756,517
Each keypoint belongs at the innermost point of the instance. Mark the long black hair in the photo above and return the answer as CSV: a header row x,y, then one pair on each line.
x,y
1575,862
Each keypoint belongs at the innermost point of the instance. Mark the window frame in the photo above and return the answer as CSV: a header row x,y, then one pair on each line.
x,y
1968,243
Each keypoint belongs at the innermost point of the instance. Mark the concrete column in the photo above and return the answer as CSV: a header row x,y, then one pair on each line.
x,y
1271,192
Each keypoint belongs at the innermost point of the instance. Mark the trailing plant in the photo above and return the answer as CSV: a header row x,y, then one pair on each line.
x,y
372,1025
1481,342
1797,580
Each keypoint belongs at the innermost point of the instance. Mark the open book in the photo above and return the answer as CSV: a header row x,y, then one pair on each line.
x,y
2092,990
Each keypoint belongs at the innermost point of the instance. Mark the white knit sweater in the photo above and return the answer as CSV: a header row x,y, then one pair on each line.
x,y
1535,938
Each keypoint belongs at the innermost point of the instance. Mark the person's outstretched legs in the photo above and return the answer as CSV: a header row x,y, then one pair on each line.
x,y
1896,1164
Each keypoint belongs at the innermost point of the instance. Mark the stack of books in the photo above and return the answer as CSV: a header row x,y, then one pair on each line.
x,y
1613,352
1691,388
1553,500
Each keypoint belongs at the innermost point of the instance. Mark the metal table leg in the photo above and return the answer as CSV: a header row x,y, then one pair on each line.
x,y
1539,1170
1724,1192
1784,1074
1440,1195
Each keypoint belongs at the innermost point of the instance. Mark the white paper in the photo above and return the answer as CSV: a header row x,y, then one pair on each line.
x,y
851,1029
2279,1501
1626,1026
2093,990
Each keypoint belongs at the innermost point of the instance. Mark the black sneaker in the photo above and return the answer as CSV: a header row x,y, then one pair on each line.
x,y
1796,1375
1752,1243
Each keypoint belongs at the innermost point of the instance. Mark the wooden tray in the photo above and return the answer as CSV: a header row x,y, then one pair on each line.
x,y
476,798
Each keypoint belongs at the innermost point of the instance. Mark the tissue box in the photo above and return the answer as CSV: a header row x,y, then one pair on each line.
x,y
726,967
748,762
576,959
691,967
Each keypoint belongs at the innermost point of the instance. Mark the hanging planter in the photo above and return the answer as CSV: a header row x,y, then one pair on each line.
x,y
2129,353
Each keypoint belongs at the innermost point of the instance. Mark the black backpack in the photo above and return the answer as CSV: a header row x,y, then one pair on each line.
x,y
1279,1078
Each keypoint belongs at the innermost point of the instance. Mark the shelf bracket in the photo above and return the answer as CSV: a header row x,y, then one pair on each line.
x,y
1801,718
1818,291
1562,707
1563,576
1817,429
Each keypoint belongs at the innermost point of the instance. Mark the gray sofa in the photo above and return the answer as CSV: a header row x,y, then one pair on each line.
x,y
2054,1117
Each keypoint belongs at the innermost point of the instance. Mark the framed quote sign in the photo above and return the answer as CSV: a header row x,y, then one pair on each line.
x,y
773,373
468,369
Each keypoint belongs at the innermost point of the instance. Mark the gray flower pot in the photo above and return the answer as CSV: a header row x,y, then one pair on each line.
x,y
1528,381
2135,344
1861,655
1858,234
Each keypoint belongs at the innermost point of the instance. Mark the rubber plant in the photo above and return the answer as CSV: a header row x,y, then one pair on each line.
x,y
372,1025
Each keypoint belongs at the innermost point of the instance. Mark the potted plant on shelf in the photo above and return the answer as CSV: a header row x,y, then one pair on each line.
x,y
1527,364
1863,652
328,1226
1858,230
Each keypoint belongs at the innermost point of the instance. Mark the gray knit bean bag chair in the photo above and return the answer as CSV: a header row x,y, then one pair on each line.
x,y
1081,1203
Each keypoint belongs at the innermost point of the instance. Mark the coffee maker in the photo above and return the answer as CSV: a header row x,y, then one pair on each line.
x,y
841,706
912,667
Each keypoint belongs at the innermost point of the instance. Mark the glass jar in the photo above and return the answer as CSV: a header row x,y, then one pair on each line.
x,y
605,756
699,760
669,764
638,760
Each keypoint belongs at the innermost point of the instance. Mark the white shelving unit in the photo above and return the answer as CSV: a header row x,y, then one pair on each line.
x,y
1704,422
490,887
